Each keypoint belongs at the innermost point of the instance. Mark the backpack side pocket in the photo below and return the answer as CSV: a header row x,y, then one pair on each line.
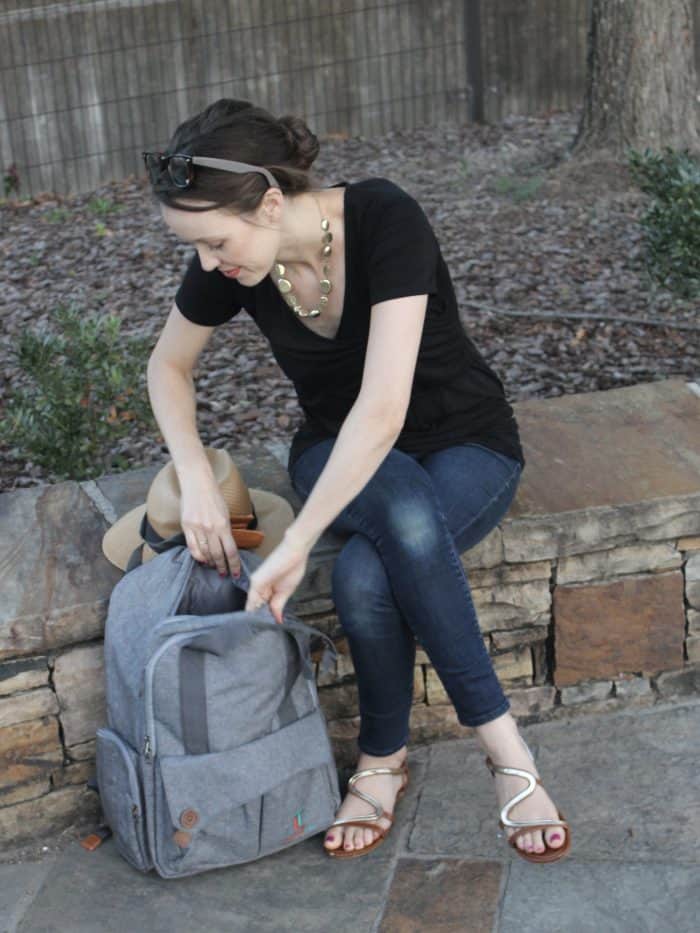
x,y
121,798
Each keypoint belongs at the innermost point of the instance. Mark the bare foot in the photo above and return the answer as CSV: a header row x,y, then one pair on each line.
x,y
383,787
504,744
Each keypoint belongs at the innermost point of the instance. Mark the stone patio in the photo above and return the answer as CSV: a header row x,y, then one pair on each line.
x,y
626,782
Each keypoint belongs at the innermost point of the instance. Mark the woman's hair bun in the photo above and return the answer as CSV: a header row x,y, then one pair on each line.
x,y
303,143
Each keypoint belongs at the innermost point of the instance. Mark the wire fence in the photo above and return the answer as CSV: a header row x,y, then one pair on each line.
x,y
86,85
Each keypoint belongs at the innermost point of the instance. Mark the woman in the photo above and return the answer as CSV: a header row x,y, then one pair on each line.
x,y
409,445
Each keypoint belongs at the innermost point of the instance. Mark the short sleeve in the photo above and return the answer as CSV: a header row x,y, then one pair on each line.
x,y
208,298
403,251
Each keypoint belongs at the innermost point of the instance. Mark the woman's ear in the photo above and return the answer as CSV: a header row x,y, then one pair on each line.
x,y
273,205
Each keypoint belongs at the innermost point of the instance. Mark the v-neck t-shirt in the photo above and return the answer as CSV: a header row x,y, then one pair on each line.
x,y
391,251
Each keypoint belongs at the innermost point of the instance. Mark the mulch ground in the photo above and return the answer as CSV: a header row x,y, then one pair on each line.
x,y
529,235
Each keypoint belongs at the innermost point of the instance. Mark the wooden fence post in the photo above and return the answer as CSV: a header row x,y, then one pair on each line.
x,y
475,73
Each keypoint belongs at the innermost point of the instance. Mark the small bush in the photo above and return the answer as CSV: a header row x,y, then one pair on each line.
x,y
88,388
518,189
104,206
671,223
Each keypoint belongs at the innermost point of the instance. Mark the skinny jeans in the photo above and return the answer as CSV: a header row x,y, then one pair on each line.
x,y
399,580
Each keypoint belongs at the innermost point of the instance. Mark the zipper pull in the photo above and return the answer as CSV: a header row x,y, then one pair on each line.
x,y
147,750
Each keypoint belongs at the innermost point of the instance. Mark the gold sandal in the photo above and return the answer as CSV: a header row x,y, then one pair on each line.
x,y
550,854
369,821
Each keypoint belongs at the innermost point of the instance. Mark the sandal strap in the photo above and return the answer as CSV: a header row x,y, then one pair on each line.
x,y
517,772
524,826
372,801
366,772
532,781
363,822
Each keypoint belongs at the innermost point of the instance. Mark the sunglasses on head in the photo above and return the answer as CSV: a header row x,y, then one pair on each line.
x,y
181,172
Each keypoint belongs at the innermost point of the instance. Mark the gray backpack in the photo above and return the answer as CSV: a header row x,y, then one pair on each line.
x,y
216,750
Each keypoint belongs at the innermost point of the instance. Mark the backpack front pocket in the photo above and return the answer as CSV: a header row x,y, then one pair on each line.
x,y
199,822
208,807
301,806
120,796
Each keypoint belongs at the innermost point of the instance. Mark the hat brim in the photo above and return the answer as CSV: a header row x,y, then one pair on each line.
x,y
274,514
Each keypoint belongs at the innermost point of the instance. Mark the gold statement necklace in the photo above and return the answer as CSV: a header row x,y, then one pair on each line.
x,y
285,286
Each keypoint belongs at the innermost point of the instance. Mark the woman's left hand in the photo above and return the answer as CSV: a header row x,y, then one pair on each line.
x,y
277,577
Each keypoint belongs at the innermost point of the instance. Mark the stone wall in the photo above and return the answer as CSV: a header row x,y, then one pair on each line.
x,y
587,593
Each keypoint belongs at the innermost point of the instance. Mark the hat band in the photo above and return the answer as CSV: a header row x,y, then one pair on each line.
x,y
243,529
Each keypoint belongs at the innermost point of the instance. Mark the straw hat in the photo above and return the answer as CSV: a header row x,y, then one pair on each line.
x,y
258,518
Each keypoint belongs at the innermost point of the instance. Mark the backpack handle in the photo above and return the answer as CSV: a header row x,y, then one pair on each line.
x,y
221,639
216,642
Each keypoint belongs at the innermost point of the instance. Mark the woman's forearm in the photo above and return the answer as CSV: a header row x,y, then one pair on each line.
x,y
173,401
363,442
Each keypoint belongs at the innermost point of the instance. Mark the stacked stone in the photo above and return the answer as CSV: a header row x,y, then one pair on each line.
x,y
580,614
582,607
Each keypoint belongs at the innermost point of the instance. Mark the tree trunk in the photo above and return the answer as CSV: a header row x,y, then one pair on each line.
x,y
641,87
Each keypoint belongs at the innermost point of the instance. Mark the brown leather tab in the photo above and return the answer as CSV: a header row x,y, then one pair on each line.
x,y
96,839
91,842
241,521
246,538
182,839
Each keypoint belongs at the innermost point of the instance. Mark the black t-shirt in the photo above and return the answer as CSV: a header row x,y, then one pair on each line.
x,y
390,251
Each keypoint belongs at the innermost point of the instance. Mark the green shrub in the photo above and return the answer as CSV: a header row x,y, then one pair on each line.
x,y
104,206
671,223
88,389
518,189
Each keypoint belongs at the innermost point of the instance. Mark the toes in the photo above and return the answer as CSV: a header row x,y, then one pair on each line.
x,y
352,838
337,838
554,837
538,842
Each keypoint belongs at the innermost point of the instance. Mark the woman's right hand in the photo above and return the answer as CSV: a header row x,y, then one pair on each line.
x,y
205,522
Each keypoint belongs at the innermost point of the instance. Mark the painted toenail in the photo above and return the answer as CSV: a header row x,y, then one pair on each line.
x,y
556,837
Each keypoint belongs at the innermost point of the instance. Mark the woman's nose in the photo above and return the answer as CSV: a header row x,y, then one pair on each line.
x,y
208,263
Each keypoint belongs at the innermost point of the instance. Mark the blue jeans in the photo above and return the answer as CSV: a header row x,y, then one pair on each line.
x,y
399,579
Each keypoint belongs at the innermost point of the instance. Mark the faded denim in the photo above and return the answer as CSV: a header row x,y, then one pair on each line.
x,y
399,579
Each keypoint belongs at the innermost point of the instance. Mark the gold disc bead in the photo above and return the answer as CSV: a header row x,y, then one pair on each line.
x,y
279,268
284,285
325,224
326,286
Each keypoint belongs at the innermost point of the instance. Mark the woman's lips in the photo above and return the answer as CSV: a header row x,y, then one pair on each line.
x,y
231,273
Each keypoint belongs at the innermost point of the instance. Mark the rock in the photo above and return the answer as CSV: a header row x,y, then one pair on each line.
x,y
633,624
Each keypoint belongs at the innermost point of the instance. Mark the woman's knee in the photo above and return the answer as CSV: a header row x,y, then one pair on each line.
x,y
400,504
415,524
361,589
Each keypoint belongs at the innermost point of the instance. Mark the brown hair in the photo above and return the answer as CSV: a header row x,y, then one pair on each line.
x,y
238,130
